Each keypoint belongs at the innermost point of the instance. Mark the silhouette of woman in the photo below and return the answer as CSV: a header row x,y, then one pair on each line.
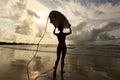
x,y
61,46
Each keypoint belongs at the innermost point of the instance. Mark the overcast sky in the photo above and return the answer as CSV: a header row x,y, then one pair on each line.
x,y
25,20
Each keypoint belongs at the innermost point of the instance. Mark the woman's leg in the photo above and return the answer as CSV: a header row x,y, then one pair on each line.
x,y
58,57
63,58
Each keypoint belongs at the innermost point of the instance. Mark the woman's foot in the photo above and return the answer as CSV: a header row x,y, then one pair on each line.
x,y
54,73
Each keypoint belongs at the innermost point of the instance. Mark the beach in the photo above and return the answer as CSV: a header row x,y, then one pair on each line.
x,y
82,62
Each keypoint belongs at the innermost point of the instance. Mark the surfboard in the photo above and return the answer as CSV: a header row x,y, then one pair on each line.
x,y
57,18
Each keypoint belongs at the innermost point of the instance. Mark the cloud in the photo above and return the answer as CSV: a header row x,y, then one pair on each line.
x,y
22,17
89,32
32,13
23,28
104,11
80,26
81,31
79,12
105,36
90,9
5,35
103,29
2,31
12,9
28,25
20,20
99,2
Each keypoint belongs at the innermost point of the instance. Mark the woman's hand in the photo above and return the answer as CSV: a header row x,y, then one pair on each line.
x,y
54,31
69,25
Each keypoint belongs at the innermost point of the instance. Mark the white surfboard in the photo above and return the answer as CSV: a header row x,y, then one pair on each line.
x,y
57,18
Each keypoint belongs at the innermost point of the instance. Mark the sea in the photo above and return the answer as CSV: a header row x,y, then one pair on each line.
x,y
101,58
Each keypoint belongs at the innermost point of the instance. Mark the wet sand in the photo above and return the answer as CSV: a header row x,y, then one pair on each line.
x,y
77,67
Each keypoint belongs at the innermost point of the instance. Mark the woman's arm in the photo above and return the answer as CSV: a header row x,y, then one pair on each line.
x,y
54,31
70,31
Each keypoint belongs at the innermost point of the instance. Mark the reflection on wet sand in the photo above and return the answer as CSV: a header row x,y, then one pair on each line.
x,y
77,67
18,63
96,67
38,64
55,77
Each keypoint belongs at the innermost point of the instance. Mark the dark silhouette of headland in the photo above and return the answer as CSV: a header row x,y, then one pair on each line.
x,y
14,43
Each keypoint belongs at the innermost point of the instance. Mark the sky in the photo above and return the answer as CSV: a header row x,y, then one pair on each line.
x,y
91,20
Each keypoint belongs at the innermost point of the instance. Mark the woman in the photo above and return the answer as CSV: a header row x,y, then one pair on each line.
x,y
61,49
